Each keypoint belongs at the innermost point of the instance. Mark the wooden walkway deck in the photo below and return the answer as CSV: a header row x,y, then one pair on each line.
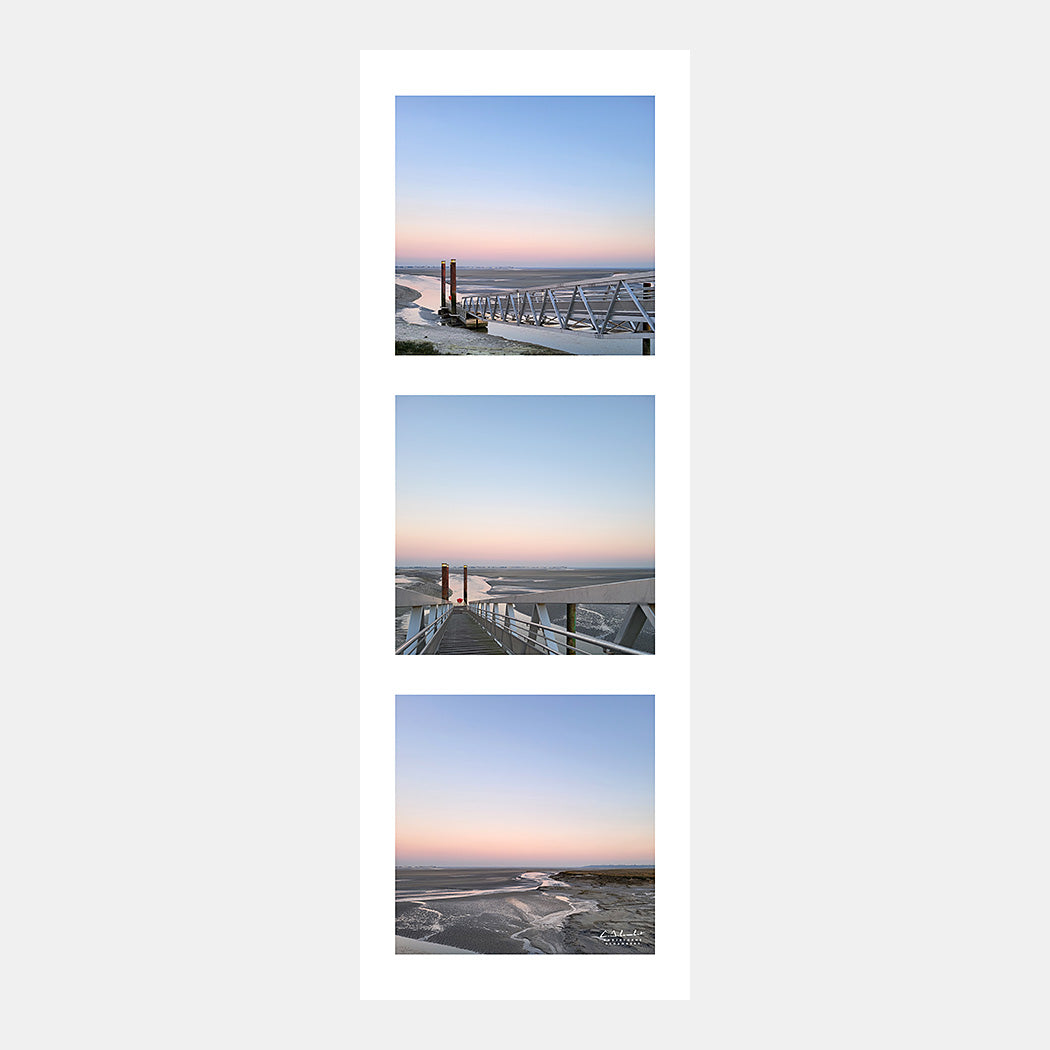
x,y
463,635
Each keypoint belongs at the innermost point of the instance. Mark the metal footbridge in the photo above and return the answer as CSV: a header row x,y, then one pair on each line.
x,y
604,307
617,305
500,627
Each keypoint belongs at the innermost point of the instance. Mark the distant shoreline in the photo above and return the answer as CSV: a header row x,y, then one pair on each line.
x,y
503,271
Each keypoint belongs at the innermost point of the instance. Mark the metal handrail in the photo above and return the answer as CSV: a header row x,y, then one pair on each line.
x,y
430,628
491,614
603,293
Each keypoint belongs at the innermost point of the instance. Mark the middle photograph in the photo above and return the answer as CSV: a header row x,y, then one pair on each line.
x,y
525,525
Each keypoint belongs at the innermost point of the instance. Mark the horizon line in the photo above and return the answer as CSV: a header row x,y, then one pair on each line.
x,y
537,864
457,566
538,266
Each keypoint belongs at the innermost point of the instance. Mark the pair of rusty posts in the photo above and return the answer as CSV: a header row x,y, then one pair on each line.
x,y
449,302
446,590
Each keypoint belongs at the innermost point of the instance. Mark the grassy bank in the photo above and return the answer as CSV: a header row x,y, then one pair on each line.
x,y
415,346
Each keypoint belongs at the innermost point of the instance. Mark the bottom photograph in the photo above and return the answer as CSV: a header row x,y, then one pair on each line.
x,y
525,825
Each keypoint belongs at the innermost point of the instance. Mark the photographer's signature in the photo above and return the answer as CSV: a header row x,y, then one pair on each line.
x,y
619,936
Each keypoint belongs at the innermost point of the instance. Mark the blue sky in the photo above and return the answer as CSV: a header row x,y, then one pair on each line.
x,y
526,180
525,779
525,480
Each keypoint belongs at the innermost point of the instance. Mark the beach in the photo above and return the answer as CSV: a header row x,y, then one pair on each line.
x,y
508,912
416,320
624,919
417,299
409,946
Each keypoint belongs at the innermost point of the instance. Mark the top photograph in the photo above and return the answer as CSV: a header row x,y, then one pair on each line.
x,y
525,225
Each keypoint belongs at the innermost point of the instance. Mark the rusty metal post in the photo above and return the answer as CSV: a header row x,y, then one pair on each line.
x,y
452,285
570,625
446,590
444,298
464,567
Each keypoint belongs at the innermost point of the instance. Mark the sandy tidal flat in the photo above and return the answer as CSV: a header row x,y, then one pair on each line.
x,y
418,299
424,327
587,912
408,946
624,919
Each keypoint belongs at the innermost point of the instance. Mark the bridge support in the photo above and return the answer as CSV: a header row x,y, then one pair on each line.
x,y
636,620
444,298
446,590
464,567
420,618
452,288
515,632
415,622
647,344
540,620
